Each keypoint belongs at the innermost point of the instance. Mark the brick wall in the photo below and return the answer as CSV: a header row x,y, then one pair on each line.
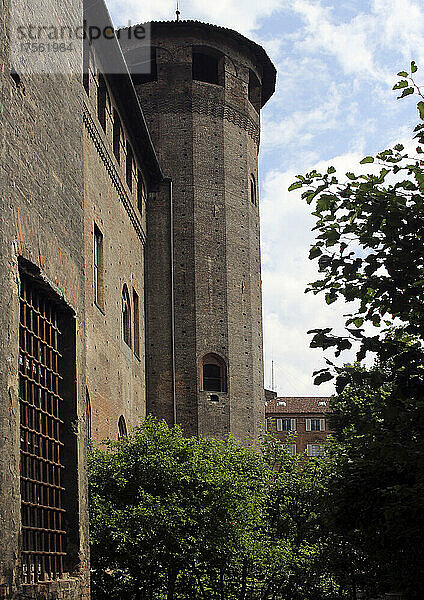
x,y
41,202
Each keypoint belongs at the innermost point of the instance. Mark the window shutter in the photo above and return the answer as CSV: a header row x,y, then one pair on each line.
x,y
322,424
279,425
292,424
308,424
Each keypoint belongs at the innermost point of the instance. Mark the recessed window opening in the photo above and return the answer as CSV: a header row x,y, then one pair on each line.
x,y
136,319
129,166
88,413
141,192
98,267
208,65
253,191
142,72
101,102
117,128
254,91
213,374
122,428
126,316
48,466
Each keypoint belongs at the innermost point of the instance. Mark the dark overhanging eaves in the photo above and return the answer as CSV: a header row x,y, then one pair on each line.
x,y
115,71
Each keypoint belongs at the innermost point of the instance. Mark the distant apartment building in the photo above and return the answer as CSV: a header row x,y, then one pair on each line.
x,y
307,417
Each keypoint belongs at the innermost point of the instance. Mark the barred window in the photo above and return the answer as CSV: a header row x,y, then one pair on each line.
x,y
47,396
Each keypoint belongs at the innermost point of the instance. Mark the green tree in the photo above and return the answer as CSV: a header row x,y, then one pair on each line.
x,y
175,517
370,251
192,518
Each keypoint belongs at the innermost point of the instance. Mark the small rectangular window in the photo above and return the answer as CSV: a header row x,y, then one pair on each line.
x,y
129,167
136,318
316,424
98,267
313,450
286,424
291,448
116,136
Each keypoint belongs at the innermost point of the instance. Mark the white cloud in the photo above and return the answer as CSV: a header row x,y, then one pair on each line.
x,y
287,224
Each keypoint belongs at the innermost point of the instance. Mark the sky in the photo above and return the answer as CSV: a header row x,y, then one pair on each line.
x,y
337,62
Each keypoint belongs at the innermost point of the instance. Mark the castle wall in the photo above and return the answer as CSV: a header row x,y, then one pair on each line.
x,y
115,369
41,198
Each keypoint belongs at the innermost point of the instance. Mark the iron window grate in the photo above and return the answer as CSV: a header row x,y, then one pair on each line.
x,y
43,534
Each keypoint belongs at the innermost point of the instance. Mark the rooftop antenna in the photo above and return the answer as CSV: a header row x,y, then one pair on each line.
x,y
178,11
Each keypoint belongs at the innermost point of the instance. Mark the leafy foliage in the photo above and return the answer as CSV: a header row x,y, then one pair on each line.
x,y
370,252
177,518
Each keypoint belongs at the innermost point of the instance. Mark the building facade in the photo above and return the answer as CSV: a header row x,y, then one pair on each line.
x,y
130,279
202,101
42,347
307,418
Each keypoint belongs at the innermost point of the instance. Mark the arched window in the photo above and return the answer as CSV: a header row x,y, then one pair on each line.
x,y
213,374
122,428
253,192
126,316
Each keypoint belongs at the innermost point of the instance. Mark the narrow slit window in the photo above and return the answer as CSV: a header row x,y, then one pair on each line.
x,y
126,316
101,102
253,191
116,135
129,167
136,319
141,192
98,267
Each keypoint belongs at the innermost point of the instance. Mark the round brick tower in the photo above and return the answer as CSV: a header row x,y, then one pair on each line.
x,y
202,101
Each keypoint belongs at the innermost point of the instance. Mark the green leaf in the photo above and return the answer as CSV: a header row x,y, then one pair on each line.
x,y
358,322
295,186
406,92
420,107
351,176
414,67
400,84
323,377
367,159
314,252
331,170
402,74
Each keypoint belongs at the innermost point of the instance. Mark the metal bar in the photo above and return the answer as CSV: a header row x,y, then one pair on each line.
x,y
40,407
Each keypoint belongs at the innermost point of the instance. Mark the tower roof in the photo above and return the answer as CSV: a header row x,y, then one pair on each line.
x,y
269,72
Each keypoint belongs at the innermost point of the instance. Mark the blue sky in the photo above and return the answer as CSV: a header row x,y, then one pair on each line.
x,y
337,63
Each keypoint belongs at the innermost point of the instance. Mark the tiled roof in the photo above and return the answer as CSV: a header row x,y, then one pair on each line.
x,y
298,405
